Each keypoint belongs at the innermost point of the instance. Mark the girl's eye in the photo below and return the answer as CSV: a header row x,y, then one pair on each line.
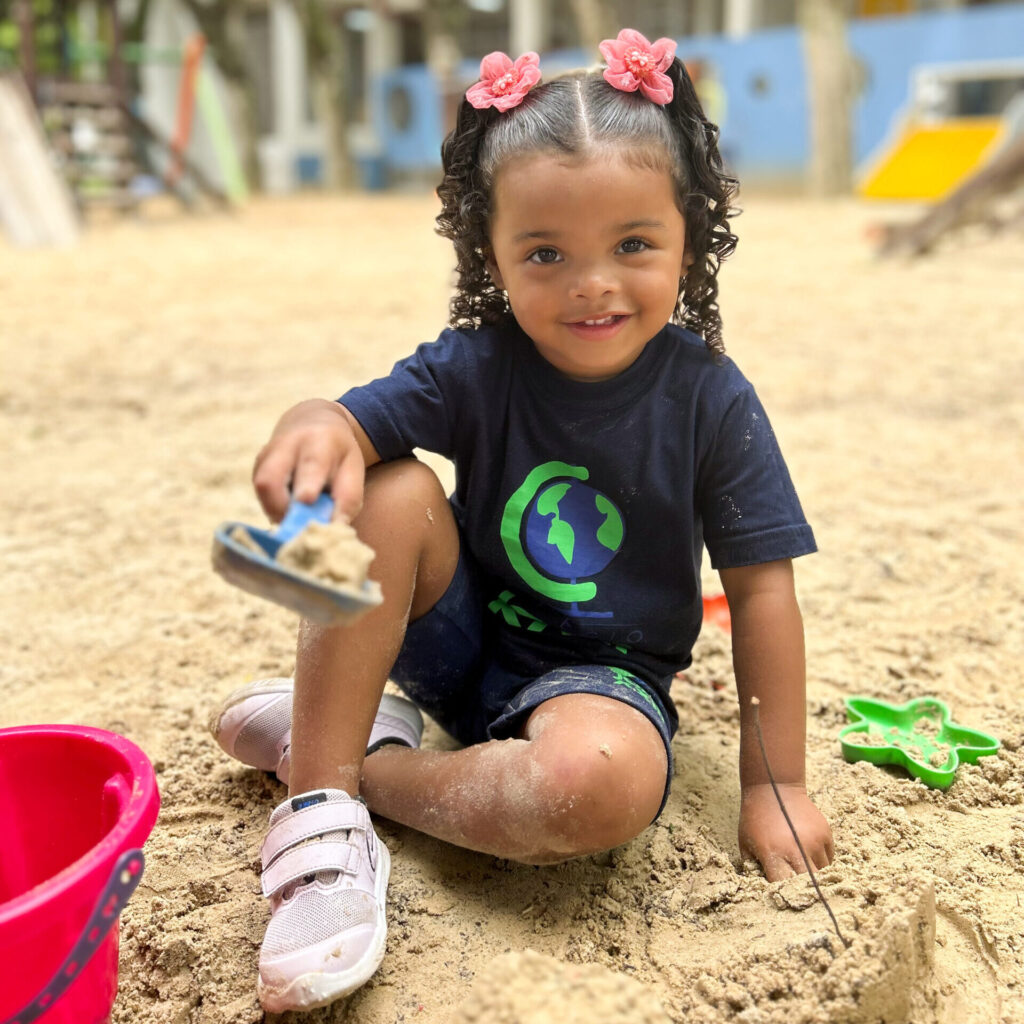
x,y
631,245
545,255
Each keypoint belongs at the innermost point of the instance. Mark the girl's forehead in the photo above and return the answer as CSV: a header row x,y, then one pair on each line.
x,y
580,192
535,176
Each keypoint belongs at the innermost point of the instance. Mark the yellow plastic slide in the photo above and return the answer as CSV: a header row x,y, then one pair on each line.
x,y
929,160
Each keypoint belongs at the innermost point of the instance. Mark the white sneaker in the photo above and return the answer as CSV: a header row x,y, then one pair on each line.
x,y
254,724
325,873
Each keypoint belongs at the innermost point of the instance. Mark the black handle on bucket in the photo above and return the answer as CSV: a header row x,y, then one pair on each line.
x,y
123,879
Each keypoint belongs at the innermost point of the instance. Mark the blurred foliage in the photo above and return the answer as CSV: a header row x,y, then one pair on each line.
x,y
56,32
46,31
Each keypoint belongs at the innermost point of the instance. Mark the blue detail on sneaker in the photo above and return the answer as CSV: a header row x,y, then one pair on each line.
x,y
308,800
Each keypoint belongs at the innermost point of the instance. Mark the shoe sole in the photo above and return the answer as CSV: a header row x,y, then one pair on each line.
x,y
321,988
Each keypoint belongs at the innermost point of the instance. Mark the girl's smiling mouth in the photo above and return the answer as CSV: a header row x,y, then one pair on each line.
x,y
598,328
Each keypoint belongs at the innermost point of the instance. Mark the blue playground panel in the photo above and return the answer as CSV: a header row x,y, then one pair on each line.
x,y
765,128
893,48
415,145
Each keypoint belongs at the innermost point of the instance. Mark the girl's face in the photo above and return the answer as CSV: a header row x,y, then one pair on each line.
x,y
590,252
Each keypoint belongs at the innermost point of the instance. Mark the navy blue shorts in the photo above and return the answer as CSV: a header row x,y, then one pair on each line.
x,y
446,667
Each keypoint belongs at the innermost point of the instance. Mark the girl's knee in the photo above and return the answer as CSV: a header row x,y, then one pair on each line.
x,y
405,505
408,522
601,787
392,487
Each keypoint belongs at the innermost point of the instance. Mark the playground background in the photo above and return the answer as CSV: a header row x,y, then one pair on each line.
x,y
754,84
934,86
757,88
144,368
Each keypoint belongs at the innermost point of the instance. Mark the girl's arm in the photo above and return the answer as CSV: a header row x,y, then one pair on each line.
x,y
768,659
316,445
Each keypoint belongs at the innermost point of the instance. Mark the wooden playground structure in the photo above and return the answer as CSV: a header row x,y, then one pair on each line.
x,y
70,144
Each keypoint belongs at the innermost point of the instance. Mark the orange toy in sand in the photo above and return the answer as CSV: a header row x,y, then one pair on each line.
x,y
716,611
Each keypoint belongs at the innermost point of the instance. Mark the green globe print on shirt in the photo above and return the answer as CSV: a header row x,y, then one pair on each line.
x,y
558,531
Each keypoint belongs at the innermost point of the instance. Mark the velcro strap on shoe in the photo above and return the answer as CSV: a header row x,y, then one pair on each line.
x,y
300,861
313,821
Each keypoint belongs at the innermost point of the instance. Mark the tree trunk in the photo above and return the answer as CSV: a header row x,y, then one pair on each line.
x,y
324,51
242,97
221,24
442,20
595,21
21,12
244,117
974,201
831,88
330,113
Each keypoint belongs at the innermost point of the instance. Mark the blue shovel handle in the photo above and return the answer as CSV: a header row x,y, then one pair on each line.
x,y
300,515
123,880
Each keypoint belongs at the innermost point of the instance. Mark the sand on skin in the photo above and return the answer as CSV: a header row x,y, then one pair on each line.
x,y
142,372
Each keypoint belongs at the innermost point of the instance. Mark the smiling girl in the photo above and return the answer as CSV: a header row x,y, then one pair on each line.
x,y
601,440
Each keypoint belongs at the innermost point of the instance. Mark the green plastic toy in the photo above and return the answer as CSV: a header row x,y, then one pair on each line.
x,y
919,736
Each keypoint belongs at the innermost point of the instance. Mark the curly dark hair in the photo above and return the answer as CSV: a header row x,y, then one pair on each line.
x,y
574,114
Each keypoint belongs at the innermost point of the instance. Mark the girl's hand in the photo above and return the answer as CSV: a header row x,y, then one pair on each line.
x,y
765,836
316,445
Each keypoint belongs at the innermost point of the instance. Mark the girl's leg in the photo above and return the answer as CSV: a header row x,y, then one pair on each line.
x,y
340,672
587,774
325,871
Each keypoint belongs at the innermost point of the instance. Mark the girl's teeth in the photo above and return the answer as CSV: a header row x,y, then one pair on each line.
x,y
598,323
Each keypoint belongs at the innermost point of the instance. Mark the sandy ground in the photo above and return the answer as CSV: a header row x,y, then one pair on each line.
x,y
141,372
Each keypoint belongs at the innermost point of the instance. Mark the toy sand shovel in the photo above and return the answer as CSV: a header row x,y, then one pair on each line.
x,y
247,557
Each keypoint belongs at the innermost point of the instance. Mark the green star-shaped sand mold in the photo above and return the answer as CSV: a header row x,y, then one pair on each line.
x,y
919,736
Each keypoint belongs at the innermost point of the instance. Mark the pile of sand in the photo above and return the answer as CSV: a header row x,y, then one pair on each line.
x,y
330,553
142,372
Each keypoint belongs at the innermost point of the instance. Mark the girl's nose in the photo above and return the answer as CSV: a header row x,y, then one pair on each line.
x,y
593,282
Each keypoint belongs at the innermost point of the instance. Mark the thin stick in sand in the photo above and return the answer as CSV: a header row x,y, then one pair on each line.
x,y
756,704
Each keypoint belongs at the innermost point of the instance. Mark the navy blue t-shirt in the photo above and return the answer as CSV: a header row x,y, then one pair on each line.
x,y
587,504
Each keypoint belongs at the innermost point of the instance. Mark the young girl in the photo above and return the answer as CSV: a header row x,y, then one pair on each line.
x,y
600,439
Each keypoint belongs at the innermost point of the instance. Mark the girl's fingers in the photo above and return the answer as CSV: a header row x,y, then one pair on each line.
x,y
792,863
312,448
347,487
776,868
271,478
314,466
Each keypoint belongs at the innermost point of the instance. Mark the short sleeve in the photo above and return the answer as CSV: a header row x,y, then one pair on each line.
x,y
415,406
750,510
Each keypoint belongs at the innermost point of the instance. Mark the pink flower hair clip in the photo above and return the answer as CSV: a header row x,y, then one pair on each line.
x,y
504,83
636,63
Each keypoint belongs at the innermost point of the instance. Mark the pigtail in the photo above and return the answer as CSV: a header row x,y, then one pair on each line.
x,y
465,209
707,208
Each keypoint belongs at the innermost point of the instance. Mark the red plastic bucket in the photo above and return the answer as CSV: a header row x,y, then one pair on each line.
x,y
74,801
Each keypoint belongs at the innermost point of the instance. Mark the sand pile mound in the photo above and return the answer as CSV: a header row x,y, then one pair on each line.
x,y
329,552
530,988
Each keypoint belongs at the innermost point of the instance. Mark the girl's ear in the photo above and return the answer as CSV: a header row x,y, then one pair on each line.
x,y
688,256
492,269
